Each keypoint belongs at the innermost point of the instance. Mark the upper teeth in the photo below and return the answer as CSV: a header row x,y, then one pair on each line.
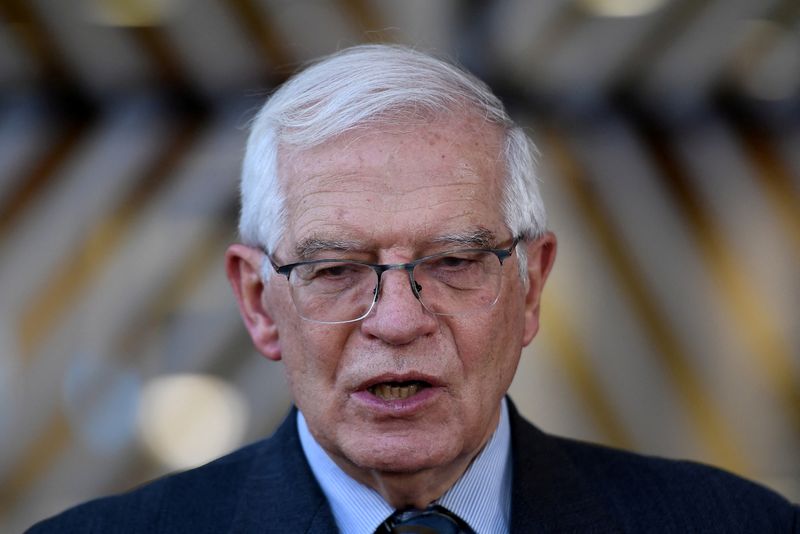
x,y
394,392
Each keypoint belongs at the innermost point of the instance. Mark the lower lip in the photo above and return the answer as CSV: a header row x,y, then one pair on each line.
x,y
399,407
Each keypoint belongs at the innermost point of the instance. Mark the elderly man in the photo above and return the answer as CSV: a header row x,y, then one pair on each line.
x,y
393,258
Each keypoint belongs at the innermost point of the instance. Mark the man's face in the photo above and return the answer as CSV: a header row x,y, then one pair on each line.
x,y
392,196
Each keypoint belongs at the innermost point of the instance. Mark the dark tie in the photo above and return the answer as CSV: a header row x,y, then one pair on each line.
x,y
434,519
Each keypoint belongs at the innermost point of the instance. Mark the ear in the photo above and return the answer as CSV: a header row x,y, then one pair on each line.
x,y
243,267
541,255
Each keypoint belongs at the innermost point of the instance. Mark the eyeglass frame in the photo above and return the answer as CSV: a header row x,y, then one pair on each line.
x,y
380,268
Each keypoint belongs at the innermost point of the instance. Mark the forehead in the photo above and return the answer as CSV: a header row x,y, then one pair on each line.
x,y
396,185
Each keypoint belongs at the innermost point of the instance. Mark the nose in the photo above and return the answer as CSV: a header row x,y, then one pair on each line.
x,y
398,317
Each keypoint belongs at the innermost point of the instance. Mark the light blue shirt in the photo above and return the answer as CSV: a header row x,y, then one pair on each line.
x,y
481,497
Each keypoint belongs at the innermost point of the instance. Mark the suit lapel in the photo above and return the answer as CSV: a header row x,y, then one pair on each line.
x,y
548,492
281,493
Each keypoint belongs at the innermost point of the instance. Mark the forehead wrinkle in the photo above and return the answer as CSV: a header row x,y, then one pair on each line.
x,y
382,184
315,186
319,201
376,172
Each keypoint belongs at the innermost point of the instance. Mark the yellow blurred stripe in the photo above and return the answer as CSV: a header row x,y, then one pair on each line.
x,y
571,354
176,288
38,177
57,436
755,320
262,31
366,20
75,274
706,418
774,179
35,462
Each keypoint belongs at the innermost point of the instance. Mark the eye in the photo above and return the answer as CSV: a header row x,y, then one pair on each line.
x,y
333,270
458,270
453,262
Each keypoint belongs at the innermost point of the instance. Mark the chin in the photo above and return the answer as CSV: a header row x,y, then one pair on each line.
x,y
402,454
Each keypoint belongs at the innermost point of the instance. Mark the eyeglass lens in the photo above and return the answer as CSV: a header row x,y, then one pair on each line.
x,y
450,284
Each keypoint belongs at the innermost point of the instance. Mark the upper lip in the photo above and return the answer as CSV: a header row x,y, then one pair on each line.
x,y
399,377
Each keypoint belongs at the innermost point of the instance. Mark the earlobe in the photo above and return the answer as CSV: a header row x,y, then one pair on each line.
x,y
541,256
243,268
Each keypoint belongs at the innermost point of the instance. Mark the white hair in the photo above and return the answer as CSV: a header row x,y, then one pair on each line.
x,y
365,86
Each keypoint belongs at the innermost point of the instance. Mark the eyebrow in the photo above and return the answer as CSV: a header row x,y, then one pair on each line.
x,y
306,248
477,238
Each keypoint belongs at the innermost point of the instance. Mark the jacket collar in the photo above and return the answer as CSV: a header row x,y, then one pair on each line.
x,y
549,493
299,504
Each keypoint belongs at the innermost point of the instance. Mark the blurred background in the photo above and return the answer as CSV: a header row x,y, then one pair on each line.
x,y
670,140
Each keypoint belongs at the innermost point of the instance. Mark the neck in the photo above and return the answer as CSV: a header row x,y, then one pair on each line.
x,y
410,490
415,489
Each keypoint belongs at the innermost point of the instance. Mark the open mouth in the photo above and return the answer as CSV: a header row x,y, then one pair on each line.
x,y
390,391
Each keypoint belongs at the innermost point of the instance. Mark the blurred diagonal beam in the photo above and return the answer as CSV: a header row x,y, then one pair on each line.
x,y
366,19
754,137
561,28
675,17
176,288
773,173
36,179
785,13
73,113
706,418
572,355
153,41
156,46
262,31
771,353
57,435
29,30
35,462
51,302
758,45
476,47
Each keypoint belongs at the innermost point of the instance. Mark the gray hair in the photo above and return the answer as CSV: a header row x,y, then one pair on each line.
x,y
368,85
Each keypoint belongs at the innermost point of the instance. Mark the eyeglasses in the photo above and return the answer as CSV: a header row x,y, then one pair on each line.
x,y
449,283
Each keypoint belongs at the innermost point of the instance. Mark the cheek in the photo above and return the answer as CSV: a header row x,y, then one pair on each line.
x,y
501,341
488,348
311,356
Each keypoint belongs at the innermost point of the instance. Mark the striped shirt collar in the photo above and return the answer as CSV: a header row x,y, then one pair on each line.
x,y
481,497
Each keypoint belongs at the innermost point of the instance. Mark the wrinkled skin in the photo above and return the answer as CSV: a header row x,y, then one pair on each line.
x,y
391,193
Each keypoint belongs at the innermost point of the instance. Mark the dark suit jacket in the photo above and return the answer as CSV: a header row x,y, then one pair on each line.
x,y
559,485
